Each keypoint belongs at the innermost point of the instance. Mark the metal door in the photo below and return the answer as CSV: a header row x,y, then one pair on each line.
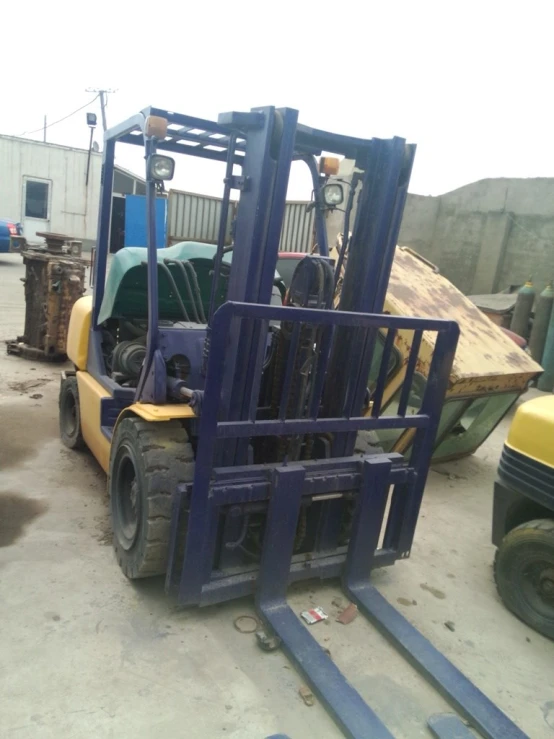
x,y
36,207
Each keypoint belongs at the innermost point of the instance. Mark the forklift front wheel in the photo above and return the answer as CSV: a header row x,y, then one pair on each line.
x,y
524,574
70,414
147,462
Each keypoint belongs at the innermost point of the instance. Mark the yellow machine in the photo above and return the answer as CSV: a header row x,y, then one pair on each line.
x,y
523,516
87,427
488,375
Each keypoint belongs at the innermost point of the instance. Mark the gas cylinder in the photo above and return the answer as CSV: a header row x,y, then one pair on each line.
x,y
522,309
543,310
546,380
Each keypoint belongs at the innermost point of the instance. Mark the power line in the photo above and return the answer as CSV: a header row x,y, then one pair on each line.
x,y
42,128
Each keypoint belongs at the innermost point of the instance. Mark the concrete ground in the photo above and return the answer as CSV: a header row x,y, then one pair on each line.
x,y
85,653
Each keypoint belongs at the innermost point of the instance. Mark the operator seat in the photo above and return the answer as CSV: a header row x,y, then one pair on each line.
x,y
126,290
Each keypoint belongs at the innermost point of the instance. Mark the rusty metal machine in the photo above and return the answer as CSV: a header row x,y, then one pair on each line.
x,y
54,280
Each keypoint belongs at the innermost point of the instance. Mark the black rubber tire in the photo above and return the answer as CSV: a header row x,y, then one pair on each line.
x,y
524,574
70,414
147,462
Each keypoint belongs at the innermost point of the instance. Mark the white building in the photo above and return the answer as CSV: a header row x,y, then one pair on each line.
x,y
44,187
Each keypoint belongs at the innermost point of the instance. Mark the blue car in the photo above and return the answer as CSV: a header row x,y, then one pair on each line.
x,y
8,228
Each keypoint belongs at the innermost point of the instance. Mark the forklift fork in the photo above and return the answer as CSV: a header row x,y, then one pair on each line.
x,y
356,719
350,711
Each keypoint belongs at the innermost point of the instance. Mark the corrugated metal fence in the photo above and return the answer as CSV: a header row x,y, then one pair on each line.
x,y
298,226
192,217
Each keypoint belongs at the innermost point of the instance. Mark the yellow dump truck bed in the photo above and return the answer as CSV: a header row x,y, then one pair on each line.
x,y
487,360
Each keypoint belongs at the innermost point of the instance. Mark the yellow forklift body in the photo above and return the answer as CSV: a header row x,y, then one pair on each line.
x,y
532,430
78,332
156,413
91,393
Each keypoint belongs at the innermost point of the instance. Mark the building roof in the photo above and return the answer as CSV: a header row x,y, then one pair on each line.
x,y
128,173
51,145
47,144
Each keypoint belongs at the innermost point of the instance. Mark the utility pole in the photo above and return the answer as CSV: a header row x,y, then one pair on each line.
x,y
103,94
44,130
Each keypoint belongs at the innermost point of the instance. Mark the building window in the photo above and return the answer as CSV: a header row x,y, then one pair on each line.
x,y
36,199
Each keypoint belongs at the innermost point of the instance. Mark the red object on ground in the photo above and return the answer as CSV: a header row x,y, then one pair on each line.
x,y
348,615
519,340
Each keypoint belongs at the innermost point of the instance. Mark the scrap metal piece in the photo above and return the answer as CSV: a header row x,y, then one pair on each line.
x,y
306,694
266,642
348,615
246,624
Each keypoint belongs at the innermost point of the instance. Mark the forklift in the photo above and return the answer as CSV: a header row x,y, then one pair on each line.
x,y
523,516
227,418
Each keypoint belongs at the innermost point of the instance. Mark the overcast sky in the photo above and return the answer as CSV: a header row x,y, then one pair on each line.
x,y
471,83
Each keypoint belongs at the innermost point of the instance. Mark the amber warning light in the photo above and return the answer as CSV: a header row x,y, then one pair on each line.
x,y
328,165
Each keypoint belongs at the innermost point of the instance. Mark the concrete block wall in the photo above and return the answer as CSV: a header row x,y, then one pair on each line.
x,y
420,218
529,251
456,244
486,235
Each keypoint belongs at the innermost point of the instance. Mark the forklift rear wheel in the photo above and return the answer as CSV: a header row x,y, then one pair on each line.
x,y
70,414
147,462
524,574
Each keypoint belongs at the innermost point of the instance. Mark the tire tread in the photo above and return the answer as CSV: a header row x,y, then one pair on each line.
x,y
168,460
69,385
517,543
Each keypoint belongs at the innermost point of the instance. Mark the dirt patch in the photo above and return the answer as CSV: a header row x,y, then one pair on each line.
x,y
16,512
23,432
104,529
26,385
434,591
406,602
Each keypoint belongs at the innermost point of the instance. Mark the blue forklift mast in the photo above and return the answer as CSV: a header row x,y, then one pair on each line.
x,y
233,480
